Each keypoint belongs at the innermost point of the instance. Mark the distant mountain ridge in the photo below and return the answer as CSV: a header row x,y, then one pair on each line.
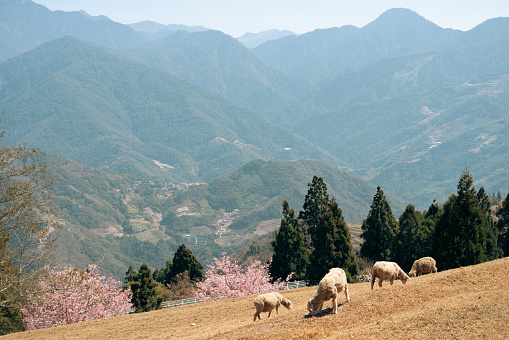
x,y
251,40
153,27
357,93
80,101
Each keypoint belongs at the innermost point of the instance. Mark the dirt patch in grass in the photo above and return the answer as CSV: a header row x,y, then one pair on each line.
x,y
464,303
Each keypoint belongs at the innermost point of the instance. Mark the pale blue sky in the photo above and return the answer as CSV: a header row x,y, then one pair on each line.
x,y
236,17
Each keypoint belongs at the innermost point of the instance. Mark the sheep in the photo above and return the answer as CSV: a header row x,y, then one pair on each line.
x,y
384,270
423,266
329,287
268,301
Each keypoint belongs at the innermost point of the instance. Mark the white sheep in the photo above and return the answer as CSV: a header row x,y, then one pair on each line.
x,y
384,270
328,288
422,266
268,301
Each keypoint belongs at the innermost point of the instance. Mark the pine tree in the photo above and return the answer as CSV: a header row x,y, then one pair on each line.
x,y
503,225
333,247
413,239
145,296
314,205
459,238
493,251
378,229
184,260
290,254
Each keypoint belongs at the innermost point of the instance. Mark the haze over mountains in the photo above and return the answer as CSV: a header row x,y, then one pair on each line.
x,y
401,102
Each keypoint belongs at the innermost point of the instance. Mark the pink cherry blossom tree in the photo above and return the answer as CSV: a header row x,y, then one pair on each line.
x,y
71,295
226,278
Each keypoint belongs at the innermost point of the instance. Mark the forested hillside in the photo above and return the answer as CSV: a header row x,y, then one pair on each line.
x,y
79,101
362,94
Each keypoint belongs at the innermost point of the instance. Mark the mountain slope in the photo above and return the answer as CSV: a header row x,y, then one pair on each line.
x,y
25,24
81,102
258,188
326,53
417,145
418,73
219,63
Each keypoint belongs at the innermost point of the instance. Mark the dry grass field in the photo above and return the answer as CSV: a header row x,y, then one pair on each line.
x,y
464,303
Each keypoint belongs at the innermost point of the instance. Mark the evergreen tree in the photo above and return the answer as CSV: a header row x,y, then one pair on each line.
x,y
459,238
378,229
130,275
503,225
314,205
143,286
493,251
184,260
161,274
333,247
290,254
413,239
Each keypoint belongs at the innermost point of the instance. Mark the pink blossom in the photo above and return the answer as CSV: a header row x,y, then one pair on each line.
x,y
70,295
226,279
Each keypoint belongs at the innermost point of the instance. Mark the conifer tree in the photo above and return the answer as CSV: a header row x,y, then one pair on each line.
x,y
493,251
378,229
290,254
143,286
333,247
413,239
459,238
503,225
184,260
314,205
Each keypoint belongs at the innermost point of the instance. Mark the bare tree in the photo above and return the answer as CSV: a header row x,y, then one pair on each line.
x,y
28,221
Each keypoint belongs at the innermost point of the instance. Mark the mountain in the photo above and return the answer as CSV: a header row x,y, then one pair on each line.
x,y
154,27
217,62
24,25
417,145
258,188
120,220
326,53
79,101
417,73
251,40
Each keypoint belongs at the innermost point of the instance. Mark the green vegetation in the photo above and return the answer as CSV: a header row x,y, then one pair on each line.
x,y
462,230
143,287
290,253
378,229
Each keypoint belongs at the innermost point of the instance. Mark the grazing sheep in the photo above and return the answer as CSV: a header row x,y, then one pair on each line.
x,y
423,266
267,302
328,288
384,270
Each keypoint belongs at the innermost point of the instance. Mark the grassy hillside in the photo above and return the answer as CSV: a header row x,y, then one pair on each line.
x,y
469,302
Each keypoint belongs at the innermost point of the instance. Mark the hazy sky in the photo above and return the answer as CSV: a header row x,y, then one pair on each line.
x,y
236,17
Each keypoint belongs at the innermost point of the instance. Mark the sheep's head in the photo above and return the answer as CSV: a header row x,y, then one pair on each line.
x,y
311,307
404,278
287,303
411,274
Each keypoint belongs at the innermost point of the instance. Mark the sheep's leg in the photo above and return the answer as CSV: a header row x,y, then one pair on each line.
x,y
335,303
380,282
372,280
320,307
257,315
392,280
269,314
347,294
